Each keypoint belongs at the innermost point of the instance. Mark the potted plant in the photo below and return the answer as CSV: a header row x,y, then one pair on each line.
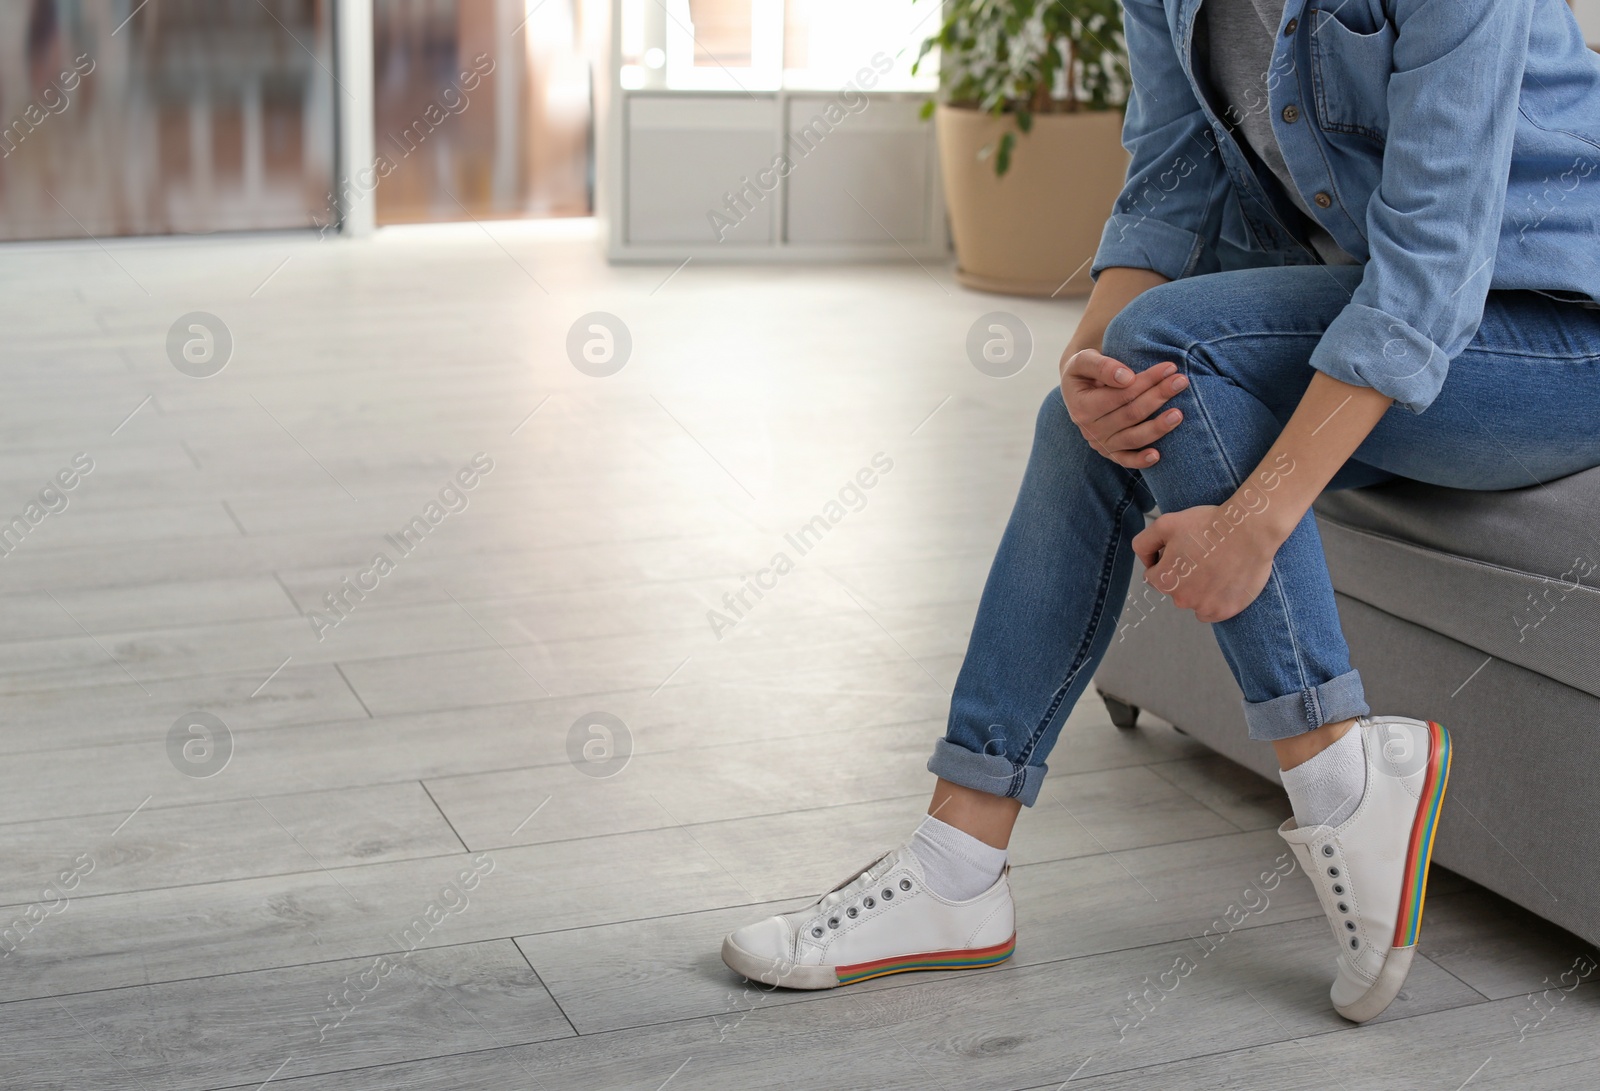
x,y
1027,213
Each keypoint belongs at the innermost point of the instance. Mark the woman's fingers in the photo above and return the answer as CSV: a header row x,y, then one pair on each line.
x,y
1149,542
1134,440
1091,401
1143,407
1093,366
1131,460
1129,431
1118,409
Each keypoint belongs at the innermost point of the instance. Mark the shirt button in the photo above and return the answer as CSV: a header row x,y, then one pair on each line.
x,y
1291,26
1323,200
1291,114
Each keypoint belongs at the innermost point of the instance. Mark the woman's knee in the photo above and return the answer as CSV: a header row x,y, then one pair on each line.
x,y
1054,430
1058,444
1052,416
1144,332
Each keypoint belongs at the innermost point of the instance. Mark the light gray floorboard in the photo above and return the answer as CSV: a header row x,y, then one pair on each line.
x,y
968,1034
140,657
1501,949
1089,809
99,940
375,751
171,605
83,716
318,1018
767,648
1480,1046
211,842
1232,791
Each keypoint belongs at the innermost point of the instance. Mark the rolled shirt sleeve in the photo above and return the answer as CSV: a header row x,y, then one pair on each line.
x,y
1169,211
1434,222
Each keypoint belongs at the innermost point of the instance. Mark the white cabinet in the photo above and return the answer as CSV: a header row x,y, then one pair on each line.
x,y
767,130
772,175
867,181
687,155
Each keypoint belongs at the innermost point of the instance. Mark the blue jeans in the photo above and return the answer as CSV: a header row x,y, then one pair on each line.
x,y
1519,406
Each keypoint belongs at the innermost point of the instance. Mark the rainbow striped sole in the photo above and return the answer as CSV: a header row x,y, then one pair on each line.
x,y
1408,920
971,959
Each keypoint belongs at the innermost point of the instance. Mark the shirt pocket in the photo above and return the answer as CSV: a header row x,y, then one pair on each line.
x,y
1350,76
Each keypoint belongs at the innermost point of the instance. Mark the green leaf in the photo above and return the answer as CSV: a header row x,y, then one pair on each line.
x,y
1021,56
1002,161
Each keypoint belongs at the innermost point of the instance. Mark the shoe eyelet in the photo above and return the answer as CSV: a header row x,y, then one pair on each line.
x,y
1355,944
905,884
1338,888
1343,908
851,912
1327,850
887,894
868,902
1350,925
817,931
833,922
1333,872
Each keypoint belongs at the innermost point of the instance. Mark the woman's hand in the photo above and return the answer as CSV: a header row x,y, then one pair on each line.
x,y
1216,560
1205,562
1112,406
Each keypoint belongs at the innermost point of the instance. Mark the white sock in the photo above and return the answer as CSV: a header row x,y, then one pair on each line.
x,y
956,865
1327,789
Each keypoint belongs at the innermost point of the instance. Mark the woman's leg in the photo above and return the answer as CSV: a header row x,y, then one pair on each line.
x,y
1244,339
1057,584
1048,613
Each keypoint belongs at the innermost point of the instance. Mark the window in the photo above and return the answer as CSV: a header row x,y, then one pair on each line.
x,y
764,45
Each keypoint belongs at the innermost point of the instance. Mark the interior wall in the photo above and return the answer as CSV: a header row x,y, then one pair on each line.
x,y
1588,12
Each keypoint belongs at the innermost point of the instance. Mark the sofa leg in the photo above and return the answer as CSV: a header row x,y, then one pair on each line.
x,y
1122,714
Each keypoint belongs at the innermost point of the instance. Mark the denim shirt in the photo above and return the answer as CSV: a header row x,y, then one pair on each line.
x,y
1449,146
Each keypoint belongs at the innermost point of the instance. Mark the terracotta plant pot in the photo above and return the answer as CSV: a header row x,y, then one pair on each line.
x,y
1034,230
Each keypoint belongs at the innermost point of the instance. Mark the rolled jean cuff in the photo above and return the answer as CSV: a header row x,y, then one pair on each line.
x,y
993,773
1296,713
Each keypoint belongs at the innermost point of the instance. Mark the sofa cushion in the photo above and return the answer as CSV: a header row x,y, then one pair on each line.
x,y
1515,573
1541,529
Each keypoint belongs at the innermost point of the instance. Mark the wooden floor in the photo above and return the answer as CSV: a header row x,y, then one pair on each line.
x,y
407,875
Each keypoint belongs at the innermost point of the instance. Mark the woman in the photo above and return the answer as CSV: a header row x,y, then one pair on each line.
x,y
1354,244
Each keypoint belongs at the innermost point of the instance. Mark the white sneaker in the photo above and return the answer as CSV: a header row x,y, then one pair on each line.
x,y
1371,872
884,920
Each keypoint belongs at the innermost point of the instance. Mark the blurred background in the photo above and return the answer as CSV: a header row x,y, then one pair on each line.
x,y
222,115
145,117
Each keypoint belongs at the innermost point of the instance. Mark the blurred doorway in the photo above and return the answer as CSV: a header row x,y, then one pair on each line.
x,y
484,108
172,116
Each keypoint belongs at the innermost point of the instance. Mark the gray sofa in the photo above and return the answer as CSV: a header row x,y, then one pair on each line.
x,y
1479,610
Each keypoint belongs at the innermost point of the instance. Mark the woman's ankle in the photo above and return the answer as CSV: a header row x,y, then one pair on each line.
x,y
982,815
1299,749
